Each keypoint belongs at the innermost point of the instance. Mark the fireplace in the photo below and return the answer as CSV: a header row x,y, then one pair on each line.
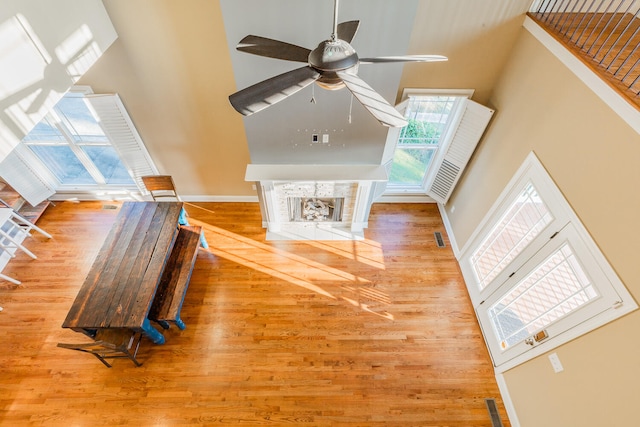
x,y
304,202
315,209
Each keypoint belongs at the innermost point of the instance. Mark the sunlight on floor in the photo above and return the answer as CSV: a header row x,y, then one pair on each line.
x,y
296,268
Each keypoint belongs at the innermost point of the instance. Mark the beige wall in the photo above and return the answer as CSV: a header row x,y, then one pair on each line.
x,y
160,68
476,36
593,156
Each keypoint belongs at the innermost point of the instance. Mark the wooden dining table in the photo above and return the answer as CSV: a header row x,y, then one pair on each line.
x,y
122,282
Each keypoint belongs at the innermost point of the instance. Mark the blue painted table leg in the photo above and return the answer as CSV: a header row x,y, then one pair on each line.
x,y
203,241
180,324
182,219
152,332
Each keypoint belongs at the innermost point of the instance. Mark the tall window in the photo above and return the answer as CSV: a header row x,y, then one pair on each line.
x,y
523,222
429,117
535,277
73,146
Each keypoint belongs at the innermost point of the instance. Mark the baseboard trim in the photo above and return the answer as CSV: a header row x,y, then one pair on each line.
x,y
232,199
506,399
405,198
449,229
124,196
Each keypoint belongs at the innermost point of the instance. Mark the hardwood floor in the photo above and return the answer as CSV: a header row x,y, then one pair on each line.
x,y
367,333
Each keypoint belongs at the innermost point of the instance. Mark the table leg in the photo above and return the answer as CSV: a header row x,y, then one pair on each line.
x,y
152,332
180,323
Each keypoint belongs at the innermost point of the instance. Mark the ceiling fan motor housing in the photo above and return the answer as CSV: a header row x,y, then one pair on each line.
x,y
333,55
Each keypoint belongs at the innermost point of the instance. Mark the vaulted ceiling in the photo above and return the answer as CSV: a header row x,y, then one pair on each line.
x,y
386,28
175,64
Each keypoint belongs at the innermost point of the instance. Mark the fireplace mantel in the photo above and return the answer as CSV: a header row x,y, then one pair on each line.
x,y
315,173
354,185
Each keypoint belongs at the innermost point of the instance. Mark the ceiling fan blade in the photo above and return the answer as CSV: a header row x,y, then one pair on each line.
x,y
273,49
347,30
372,101
404,58
268,92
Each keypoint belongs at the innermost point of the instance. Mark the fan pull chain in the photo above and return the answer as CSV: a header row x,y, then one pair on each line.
x,y
313,93
350,108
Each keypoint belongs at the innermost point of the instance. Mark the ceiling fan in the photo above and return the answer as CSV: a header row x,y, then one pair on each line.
x,y
333,65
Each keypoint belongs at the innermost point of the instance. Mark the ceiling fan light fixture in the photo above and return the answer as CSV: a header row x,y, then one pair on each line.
x,y
331,85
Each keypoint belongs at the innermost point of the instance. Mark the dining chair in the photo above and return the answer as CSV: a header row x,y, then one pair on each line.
x,y
162,188
111,344
23,222
12,235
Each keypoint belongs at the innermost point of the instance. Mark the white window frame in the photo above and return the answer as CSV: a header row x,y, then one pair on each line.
x,y
40,184
616,301
82,157
394,134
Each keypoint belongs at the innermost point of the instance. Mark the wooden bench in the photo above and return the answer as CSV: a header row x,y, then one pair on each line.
x,y
175,278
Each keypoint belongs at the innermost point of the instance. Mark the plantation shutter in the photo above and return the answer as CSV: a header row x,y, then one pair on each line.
x,y
18,171
447,170
119,128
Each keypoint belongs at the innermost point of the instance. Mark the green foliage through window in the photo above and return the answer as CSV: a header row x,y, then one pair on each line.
x,y
428,118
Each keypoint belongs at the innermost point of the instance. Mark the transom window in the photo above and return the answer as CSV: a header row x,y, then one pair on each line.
x,y
73,146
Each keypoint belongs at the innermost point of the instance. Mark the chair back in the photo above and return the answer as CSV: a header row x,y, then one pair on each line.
x,y
161,187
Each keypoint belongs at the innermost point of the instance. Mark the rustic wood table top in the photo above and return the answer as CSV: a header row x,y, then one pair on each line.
x,y
119,289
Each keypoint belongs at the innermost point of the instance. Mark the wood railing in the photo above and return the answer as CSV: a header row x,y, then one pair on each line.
x,y
604,34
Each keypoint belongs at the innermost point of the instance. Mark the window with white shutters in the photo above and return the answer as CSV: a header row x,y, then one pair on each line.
x,y
86,144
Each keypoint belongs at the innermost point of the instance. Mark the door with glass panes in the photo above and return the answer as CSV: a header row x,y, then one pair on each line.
x,y
535,276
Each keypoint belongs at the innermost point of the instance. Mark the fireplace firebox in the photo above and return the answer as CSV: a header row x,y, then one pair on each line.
x,y
315,209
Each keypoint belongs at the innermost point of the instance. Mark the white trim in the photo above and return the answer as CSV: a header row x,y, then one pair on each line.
x,y
408,92
571,334
134,195
238,199
270,172
447,226
613,99
506,399
533,171
81,89
404,198
526,164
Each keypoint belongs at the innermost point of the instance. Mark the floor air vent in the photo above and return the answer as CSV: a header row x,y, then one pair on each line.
x,y
493,413
439,239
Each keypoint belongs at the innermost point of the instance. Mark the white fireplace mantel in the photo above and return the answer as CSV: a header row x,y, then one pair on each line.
x,y
315,173
278,184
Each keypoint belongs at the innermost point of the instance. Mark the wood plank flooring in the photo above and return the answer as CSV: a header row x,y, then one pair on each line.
x,y
377,332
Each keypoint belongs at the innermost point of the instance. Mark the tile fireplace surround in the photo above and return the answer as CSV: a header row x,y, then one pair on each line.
x,y
283,189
